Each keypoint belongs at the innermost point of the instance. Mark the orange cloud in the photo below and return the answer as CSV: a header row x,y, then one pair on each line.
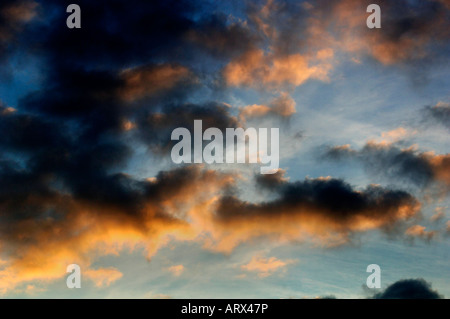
x,y
265,267
102,277
338,26
176,270
420,231
254,110
6,110
396,134
284,106
256,68
441,166
292,56
128,125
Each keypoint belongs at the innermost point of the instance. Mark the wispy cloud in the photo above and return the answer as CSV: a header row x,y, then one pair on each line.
x,y
176,270
265,267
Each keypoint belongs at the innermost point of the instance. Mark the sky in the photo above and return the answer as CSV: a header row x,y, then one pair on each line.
x,y
87,176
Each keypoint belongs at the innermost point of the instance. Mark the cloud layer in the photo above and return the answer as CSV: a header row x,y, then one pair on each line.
x,y
137,70
409,289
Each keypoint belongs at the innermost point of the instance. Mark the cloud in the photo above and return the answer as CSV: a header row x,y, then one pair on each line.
x,y
409,289
256,69
403,38
387,159
21,11
17,19
283,106
439,113
324,210
134,72
147,32
420,232
43,230
155,128
439,214
65,194
31,290
272,181
14,15
401,289
103,277
254,110
266,267
154,79
298,42
397,134
176,270
223,36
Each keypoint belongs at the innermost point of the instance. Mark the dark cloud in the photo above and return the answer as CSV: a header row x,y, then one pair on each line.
x,y
326,210
280,23
412,33
425,24
155,129
392,162
66,140
115,33
29,133
14,16
64,147
439,113
223,38
271,181
409,289
123,69
330,198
